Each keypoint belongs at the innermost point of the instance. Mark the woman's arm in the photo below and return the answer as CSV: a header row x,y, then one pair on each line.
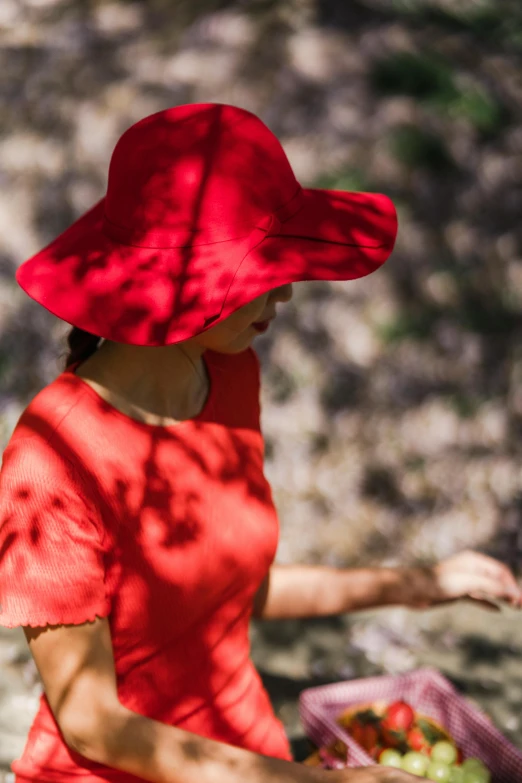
x,y
77,668
318,591
292,591
76,665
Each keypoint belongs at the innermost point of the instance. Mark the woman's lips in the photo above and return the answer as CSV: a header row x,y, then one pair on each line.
x,y
262,326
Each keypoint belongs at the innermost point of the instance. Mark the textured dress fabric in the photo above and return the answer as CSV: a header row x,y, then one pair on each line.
x,y
168,531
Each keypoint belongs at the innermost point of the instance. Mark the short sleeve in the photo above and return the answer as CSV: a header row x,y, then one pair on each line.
x,y
51,553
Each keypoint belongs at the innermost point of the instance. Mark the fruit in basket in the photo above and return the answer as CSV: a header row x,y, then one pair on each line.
x,y
396,725
473,763
366,734
438,771
396,721
476,776
390,758
416,740
399,716
444,751
456,774
475,771
395,734
433,732
415,763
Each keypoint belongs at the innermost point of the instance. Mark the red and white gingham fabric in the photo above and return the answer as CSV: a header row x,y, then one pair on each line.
x,y
428,692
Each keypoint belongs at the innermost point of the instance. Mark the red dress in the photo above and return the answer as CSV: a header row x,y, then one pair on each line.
x,y
166,531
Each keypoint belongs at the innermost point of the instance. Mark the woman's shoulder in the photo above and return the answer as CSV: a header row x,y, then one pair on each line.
x,y
36,438
49,406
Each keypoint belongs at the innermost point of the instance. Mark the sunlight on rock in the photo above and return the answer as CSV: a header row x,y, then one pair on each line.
x,y
17,229
300,154
384,647
461,237
9,13
38,4
430,429
442,288
96,131
225,28
313,54
115,18
355,339
27,152
449,532
214,67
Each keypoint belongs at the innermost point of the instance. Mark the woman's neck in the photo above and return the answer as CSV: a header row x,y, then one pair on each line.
x,y
160,385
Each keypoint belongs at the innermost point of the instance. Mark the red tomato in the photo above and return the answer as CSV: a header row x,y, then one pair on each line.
x,y
356,730
365,734
370,737
417,741
399,716
392,738
460,756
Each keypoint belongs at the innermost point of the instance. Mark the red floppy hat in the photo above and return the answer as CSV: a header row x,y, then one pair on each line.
x,y
203,213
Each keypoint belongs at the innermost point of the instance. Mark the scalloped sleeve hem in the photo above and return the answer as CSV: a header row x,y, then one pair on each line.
x,y
35,620
52,558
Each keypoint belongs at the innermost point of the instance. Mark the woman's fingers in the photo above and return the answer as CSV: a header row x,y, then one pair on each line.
x,y
474,572
374,774
502,576
491,566
494,588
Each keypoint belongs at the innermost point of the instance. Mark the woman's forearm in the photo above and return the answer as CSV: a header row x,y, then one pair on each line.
x,y
155,751
317,591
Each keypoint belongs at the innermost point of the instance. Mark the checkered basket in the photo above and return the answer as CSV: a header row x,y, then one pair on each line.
x,y
428,692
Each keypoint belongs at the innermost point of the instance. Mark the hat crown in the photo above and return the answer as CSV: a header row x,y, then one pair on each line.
x,y
206,170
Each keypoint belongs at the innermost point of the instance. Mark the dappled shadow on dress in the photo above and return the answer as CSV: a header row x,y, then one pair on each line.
x,y
180,566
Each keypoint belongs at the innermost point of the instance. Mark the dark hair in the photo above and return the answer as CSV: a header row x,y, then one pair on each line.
x,y
82,344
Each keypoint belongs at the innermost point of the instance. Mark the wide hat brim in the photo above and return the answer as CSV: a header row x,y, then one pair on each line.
x,y
161,295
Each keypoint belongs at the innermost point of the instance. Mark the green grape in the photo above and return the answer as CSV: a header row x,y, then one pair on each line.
x,y
444,751
473,763
415,763
477,776
475,771
439,772
391,758
456,775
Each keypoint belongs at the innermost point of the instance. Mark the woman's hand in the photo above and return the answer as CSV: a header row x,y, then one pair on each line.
x,y
469,575
375,774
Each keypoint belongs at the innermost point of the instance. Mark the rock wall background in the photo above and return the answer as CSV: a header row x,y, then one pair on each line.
x,y
392,405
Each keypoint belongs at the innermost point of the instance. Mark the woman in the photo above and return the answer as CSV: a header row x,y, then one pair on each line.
x,y
137,529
